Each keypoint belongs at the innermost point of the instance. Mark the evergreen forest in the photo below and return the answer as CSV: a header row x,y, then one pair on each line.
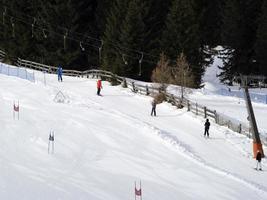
x,y
127,37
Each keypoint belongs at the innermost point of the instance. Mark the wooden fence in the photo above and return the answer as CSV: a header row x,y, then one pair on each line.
x,y
53,70
2,54
150,90
195,108
171,98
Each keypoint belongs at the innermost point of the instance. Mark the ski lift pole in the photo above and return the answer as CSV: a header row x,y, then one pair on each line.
x,y
81,46
34,20
64,38
44,34
140,64
252,121
99,51
124,60
4,15
13,26
257,146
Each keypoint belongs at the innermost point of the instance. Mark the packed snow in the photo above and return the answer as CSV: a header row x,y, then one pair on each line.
x,y
103,144
229,100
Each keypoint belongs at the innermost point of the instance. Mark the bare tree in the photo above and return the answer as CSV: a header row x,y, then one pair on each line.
x,y
182,74
162,73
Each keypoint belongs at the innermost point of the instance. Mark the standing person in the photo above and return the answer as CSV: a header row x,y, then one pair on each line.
x,y
258,159
51,142
99,86
59,73
153,111
207,127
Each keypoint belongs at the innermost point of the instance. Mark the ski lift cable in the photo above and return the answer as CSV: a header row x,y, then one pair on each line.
x,y
56,33
46,23
90,37
46,30
77,40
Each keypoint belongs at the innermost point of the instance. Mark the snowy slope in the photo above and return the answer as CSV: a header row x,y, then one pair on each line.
x,y
104,144
217,96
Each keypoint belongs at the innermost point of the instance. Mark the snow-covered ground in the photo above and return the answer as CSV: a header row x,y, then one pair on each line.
x,y
104,144
231,103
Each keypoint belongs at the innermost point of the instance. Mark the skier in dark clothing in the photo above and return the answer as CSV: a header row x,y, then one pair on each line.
x,y
207,127
258,158
153,111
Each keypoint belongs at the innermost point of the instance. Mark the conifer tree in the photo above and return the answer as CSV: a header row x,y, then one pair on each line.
x,y
133,37
15,35
154,22
209,14
231,35
182,35
111,38
60,19
101,14
238,36
87,22
261,43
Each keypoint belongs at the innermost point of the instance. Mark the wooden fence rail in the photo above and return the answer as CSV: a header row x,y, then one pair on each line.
x,y
2,54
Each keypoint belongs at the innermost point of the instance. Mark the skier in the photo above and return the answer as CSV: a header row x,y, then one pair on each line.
x,y
258,158
153,111
99,87
59,73
51,142
207,126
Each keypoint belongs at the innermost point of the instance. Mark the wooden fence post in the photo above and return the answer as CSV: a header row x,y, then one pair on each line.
x,y
196,109
188,105
216,117
124,83
205,112
147,91
134,90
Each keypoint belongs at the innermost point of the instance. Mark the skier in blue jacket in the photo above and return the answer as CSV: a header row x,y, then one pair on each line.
x,y
59,73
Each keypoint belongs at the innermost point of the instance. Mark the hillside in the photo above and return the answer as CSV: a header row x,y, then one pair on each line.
x,y
104,144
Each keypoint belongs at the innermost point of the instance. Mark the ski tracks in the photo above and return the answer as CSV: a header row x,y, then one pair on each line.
x,y
172,141
185,150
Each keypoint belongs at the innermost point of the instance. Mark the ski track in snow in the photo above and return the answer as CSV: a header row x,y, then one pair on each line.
x,y
172,141
168,138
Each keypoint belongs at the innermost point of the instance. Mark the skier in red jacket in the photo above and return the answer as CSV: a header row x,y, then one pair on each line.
x,y
99,86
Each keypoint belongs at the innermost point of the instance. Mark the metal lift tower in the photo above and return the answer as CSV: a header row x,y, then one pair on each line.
x,y
245,83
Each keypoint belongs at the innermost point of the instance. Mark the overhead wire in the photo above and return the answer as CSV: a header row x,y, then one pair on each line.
x,y
83,38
